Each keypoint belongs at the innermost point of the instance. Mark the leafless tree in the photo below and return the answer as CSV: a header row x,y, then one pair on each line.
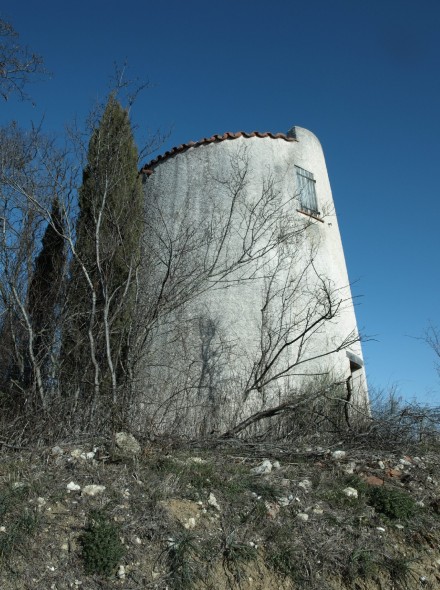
x,y
243,240
32,173
18,64
432,338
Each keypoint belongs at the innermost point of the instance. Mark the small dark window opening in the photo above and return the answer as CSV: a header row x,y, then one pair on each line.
x,y
356,361
354,367
356,364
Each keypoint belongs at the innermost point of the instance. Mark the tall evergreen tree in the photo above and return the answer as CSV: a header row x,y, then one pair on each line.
x,y
107,251
45,292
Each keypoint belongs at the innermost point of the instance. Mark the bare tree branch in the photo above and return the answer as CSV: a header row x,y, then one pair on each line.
x,y
18,64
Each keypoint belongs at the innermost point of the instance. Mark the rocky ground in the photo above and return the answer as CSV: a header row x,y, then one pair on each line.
x,y
89,515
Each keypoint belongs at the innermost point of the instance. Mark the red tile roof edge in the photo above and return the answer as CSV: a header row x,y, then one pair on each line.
x,y
147,169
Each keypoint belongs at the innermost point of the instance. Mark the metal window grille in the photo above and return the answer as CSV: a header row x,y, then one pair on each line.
x,y
307,192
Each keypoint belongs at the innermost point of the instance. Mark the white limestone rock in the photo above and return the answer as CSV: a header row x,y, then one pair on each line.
x,y
263,468
93,490
305,485
350,468
190,523
303,516
350,492
127,444
212,501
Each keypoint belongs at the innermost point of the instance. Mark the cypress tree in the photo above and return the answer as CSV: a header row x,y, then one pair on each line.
x,y
45,290
107,251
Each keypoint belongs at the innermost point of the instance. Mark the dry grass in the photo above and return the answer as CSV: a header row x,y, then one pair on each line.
x,y
173,536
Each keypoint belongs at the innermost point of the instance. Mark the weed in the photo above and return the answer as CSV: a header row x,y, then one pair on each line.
x,y
361,564
192,478
200,475
17,533
166,465
281,554
283,559
392,503
266,490
235,555
254,516
11,497
354,481
400,571
182,561
336,498
20,522
101,547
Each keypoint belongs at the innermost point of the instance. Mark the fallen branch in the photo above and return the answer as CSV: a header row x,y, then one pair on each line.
x,y
289,405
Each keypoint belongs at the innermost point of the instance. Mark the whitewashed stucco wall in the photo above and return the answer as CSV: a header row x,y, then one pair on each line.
x,y
203,348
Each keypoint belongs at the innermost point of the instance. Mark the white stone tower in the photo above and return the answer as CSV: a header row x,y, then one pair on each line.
x,y
245,294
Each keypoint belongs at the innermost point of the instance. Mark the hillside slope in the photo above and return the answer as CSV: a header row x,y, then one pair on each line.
x,y
225,516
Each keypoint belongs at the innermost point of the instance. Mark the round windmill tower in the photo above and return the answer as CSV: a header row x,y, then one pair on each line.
x,y
245,291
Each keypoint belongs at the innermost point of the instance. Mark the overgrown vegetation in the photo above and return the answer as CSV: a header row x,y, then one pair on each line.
x,y
188,517
19,520
394,504
183,558
102,549
185,513
82,323
105,260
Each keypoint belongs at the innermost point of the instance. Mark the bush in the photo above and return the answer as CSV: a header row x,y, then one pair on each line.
x,y
101,547
392,503
396,424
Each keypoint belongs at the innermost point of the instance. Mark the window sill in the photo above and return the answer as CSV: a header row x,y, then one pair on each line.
x,y
315,216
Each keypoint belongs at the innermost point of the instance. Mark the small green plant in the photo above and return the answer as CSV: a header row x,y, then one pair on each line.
x,y
394,504
17,532
354,481
200,475
281,552
333,493
19,521
164,465
267,490
101,547
181,557
400,571
361,564
283,559
235,555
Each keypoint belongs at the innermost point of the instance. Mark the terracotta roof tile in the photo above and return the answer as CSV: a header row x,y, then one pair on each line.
x,y
148,168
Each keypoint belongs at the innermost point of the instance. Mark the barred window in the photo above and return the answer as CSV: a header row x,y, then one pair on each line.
x,y
307,193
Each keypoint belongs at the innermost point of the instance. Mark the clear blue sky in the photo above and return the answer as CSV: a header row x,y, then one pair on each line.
x,y
363,76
